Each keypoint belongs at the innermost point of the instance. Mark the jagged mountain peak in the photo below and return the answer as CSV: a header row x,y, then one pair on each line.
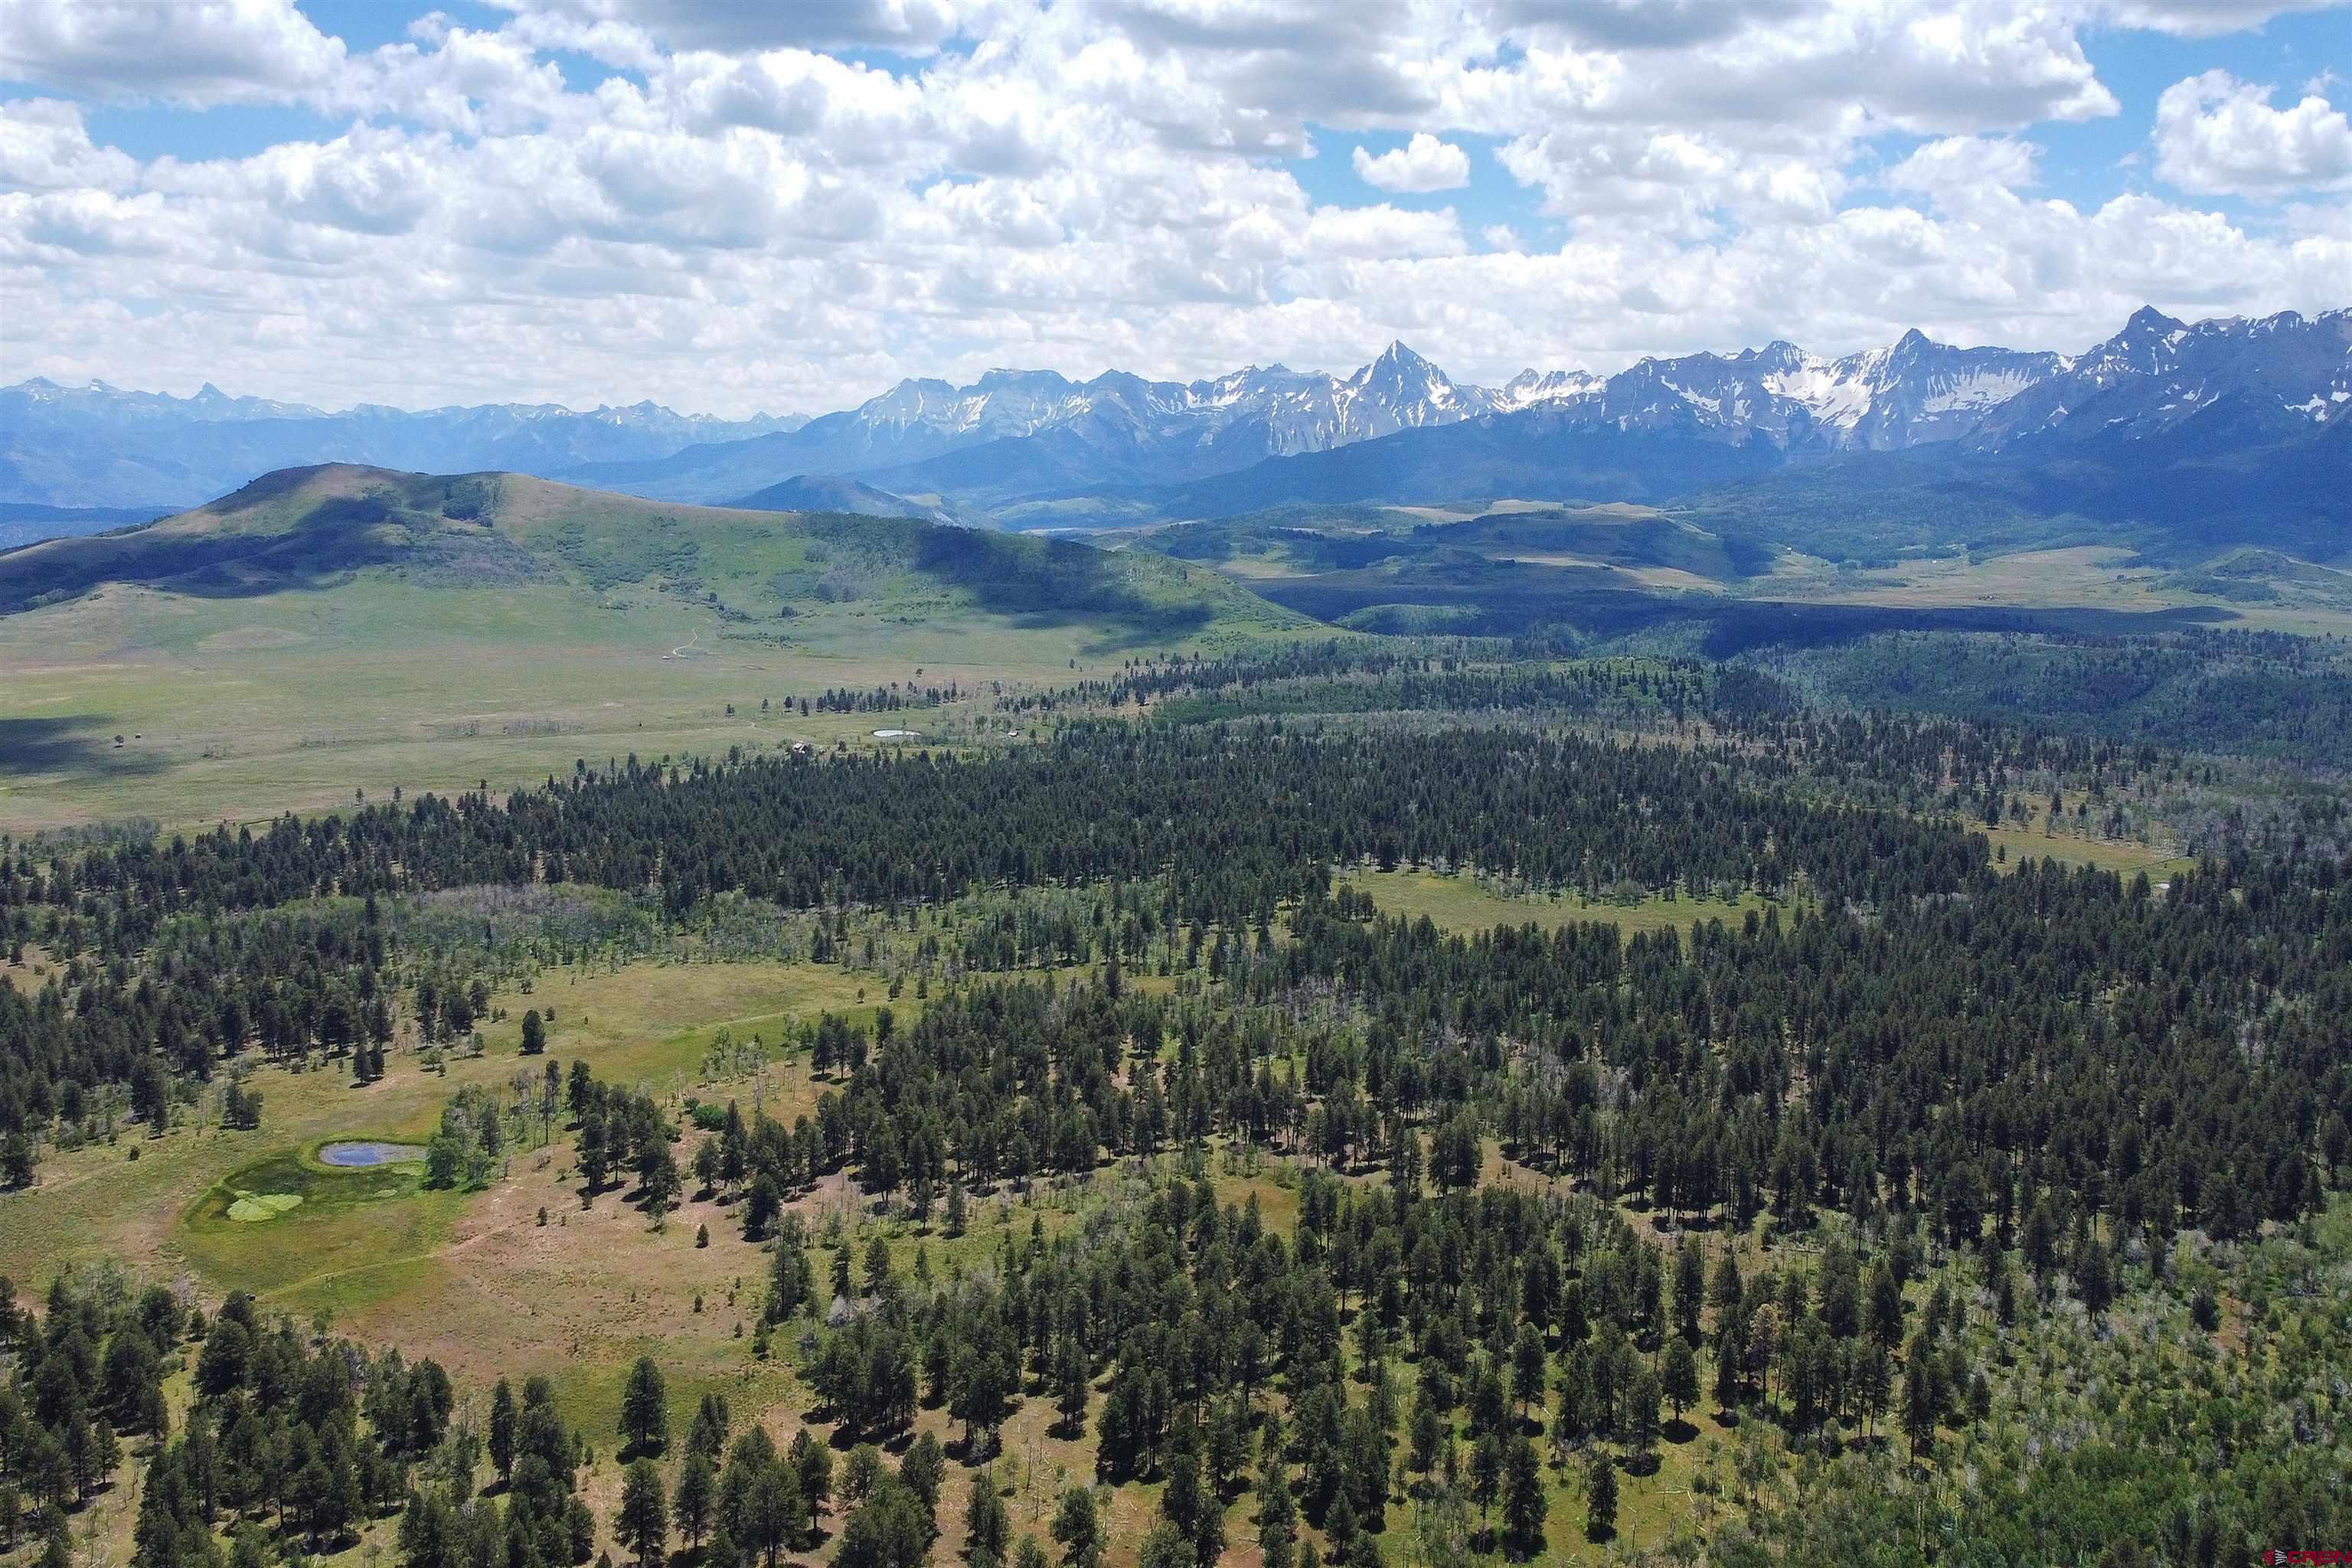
x,y
1011,375
1777,355
1399,354
1401,390
2159,375
1398,366
2148,321
1120,427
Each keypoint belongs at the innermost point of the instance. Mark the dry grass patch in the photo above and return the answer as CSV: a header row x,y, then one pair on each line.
x,y
1462,901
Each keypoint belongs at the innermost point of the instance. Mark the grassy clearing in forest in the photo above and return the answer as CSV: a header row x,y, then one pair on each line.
x,y
521,1278
146,1202
2120,854
1460,901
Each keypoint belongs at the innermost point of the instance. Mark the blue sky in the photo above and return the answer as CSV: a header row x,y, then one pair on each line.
x,y
728,206
2087,161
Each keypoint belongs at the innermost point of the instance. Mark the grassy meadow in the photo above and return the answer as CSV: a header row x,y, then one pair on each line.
x,y
2316,602
1464,901
157,1204
471,1278
240,709
282,651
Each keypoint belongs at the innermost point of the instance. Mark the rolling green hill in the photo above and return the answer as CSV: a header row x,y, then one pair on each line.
x,y
1635,546
324,630
318,528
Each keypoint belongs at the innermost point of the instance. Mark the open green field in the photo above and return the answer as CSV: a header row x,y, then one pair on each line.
x,y
1464,901
288,650
2298,597
2036,839
2120,855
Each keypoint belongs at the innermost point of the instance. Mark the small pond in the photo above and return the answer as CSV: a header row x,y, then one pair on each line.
x,y
370,1153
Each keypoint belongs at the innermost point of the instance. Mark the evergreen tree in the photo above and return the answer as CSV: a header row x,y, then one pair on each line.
x,y
1679,1377
645,1409
811,1465
987,1526
1079,1530
642,1521
1601,1499
502,1431
924,1470
1487,1464
1164,1546
1524,1502
708,1435
697,1493
1277,1515
1922,1396
890,1529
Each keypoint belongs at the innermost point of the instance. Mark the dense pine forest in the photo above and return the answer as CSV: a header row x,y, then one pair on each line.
x,y
1986,1206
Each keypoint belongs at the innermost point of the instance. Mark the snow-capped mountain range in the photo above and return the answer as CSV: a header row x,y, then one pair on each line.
x,y
1917,392
1913,392
1014,437
2158,375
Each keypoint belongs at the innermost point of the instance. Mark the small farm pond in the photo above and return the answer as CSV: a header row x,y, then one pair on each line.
x,y
370,1153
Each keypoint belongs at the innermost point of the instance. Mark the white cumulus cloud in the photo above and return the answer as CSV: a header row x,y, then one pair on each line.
x,y
2218,135
783,205
186,51
1421,165
44,146
1955,164
2206,18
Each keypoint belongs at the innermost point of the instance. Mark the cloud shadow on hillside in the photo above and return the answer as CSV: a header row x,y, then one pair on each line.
x,y
1046,585
81,744
1515,599
338,538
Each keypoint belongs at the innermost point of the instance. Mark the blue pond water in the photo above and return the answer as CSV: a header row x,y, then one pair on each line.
x,y
370,1153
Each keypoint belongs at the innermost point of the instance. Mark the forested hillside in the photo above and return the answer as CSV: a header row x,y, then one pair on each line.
x,y
1866,1181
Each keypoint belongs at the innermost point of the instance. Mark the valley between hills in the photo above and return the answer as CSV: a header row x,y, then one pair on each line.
x,y
340,629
